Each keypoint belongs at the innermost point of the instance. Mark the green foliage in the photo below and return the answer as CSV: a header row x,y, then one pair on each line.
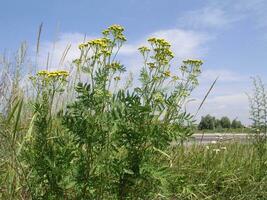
x,y
46,153
236,124
13,180
209,122
214,172
225,122
117,134
218,124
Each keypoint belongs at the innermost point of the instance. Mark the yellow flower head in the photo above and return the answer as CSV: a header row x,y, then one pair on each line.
x,y
193,62
42,73
116,31
159,41
105,32
151,65
121,37
63,73
116,27
167,73
114,65
152,40
100,42
117,78
82,46
143,49
58,73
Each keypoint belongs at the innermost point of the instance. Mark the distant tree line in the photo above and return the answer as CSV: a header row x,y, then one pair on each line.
x,y
209,122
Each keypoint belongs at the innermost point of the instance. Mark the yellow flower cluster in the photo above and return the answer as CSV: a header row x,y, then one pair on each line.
x,y
159,41
106,52
193,62
113,35
100,42
58,73
116,27
114,66
83,45
151,65
167,73
163,52
161,48
42,72
121,37
117,78
143,49
116,31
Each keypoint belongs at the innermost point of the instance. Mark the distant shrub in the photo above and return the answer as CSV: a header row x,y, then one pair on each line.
x,y
225,122
209,122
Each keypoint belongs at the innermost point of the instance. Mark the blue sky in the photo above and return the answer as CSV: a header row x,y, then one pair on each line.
x,y
229,35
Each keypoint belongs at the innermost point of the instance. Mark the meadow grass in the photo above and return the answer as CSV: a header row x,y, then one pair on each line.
x,y
218,171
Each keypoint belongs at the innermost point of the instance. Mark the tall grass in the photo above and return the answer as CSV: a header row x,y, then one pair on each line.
x,y
221,171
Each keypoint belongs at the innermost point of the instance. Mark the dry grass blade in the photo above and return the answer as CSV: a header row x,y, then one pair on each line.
x,y
65,53
12,112
206,96
18,116
39,38
47,61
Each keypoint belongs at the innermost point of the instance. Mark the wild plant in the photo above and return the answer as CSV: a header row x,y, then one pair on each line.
x,y
13,125
118,132
10,78
12,175
46,154
258,113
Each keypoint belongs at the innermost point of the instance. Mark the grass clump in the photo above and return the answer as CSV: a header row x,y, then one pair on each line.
x,y
220,171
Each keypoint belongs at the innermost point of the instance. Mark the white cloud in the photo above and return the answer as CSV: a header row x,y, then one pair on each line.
x,y
207,17
221,14
130,49
223,74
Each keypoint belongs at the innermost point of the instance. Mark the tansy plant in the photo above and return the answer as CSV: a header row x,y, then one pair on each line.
x,y
45,153
98,59
49,82
119,133
155,76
